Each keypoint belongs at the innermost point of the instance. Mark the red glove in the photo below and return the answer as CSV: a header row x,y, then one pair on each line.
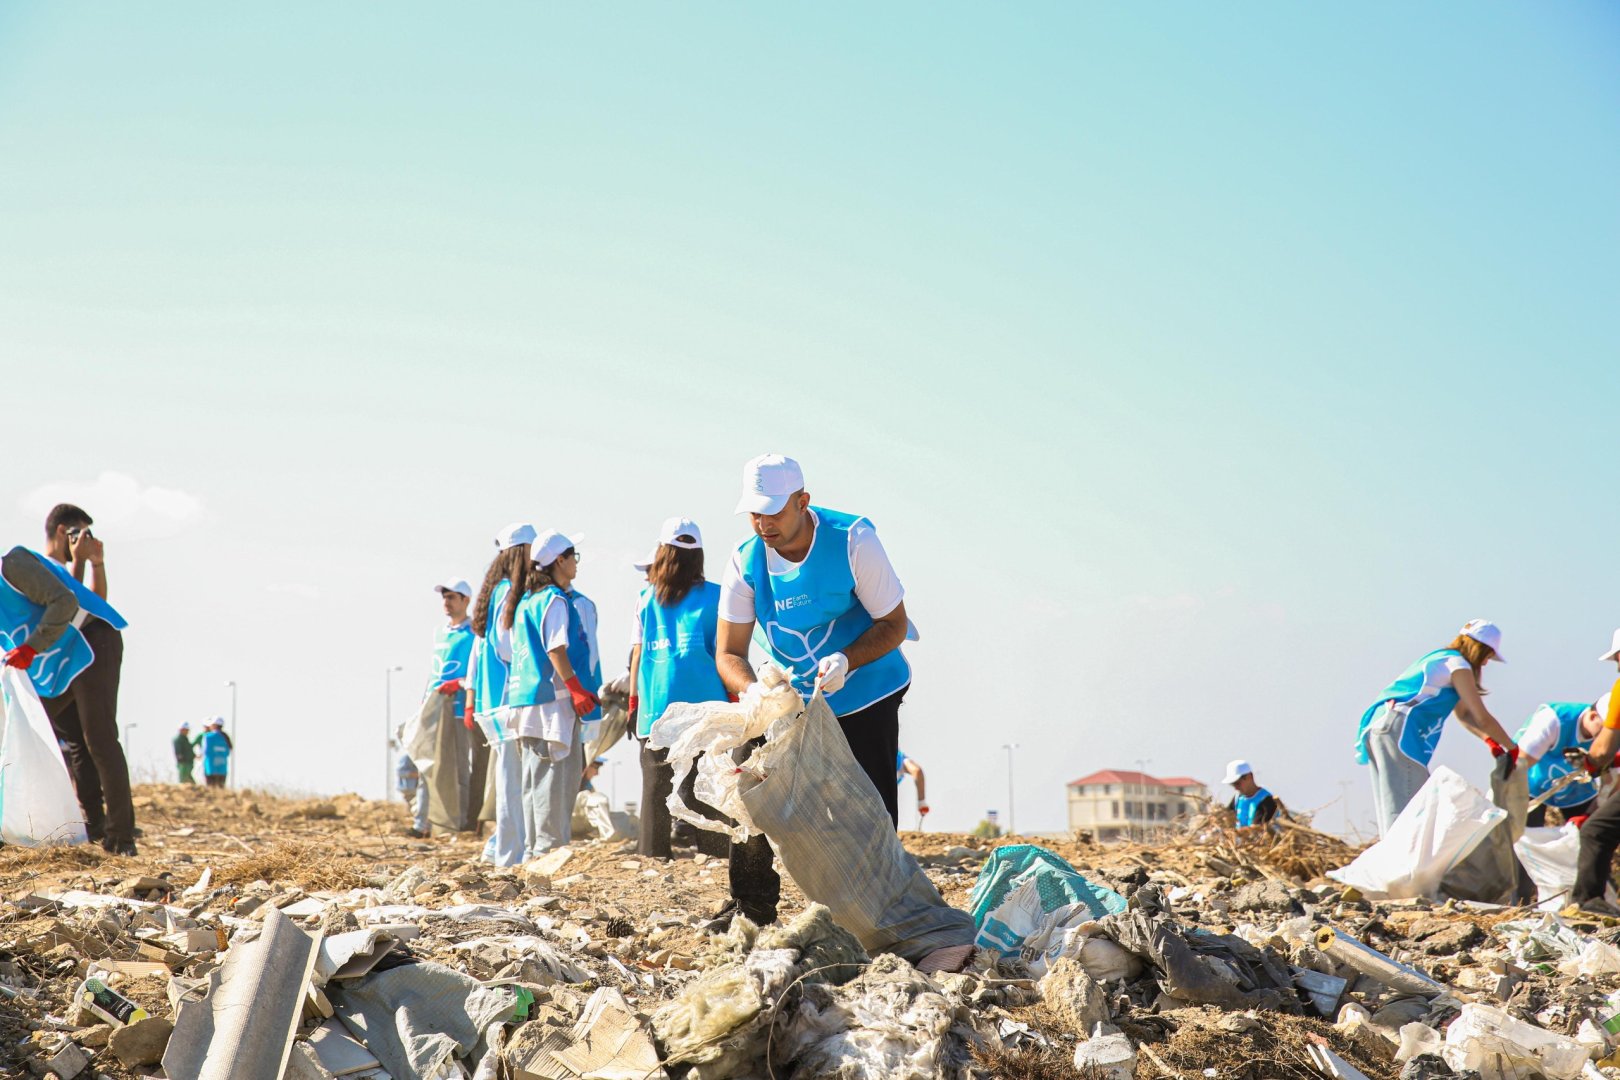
x,y
451,687
470,722
584,700
1578,820
20,657
1497,750
634,707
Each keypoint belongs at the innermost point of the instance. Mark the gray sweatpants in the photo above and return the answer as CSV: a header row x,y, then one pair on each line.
x,y
1396,778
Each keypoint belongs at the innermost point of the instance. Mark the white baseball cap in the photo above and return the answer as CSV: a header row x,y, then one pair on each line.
x,y
519,532
768,480
671,531
1614,648
1486,633
457,585
644,564
1236,770
551,544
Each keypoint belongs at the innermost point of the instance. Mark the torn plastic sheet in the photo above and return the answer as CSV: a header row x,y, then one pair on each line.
x,y
524,947
889,1021
418,1017
243,1029
1204,968
351,954
1024,893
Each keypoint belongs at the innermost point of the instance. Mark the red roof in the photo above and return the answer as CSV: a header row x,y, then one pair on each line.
x,y
1127,776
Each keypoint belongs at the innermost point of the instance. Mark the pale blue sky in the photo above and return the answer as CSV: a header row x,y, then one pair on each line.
x,y
1199,371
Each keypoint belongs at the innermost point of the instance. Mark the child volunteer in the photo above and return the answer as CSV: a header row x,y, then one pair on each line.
x,y
544,696
1397,736
491,653
672,660
1552,730
831,611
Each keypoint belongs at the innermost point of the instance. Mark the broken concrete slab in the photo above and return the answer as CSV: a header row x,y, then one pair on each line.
x,y
141,1043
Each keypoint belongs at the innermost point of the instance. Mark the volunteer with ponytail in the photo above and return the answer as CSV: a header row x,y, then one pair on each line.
x,y
544,696
487,677
672,660
1600,835
586,660
1546,743
1398,735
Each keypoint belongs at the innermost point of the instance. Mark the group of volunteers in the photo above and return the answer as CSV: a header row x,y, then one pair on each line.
x,y
813,586
1567,748
216,753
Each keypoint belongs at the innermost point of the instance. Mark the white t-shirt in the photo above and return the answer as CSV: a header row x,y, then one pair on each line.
x,y
552,721
1540,735
876,585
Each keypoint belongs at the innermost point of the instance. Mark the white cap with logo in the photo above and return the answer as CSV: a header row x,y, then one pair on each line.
x,y
1486,633
670,532
1236,770
551,544
456,585
768,480
519,532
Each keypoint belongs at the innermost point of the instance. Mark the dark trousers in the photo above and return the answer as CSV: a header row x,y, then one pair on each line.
x,y
1600,836
873,735
1537,818
472,802
85,717
657,779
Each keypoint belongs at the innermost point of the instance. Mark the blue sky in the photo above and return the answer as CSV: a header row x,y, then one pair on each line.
x,y
1199,373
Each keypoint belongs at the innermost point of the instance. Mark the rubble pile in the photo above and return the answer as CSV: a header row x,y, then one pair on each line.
x,y
264,937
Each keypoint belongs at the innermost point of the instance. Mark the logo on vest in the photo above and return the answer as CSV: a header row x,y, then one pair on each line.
x,y
802,600
805,649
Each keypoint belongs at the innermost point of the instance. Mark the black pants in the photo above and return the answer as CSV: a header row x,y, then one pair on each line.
x,y
472,801
1537,818
657,778
85,717
873,735
1600,836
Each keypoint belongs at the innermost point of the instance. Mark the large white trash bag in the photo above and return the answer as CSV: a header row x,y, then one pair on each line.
x,y
37,804
1445,820
1549,856
804,790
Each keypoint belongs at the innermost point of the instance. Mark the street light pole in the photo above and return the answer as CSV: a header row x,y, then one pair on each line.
x,y
230,762
1011,824
388,725
1141,793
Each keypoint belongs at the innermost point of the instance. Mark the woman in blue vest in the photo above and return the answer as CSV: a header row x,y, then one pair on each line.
x,y
586,659
216,754
1554,728
491,654
545,698
672,660
1398,735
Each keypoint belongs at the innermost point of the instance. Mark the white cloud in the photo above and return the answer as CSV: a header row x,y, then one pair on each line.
x,y
123,507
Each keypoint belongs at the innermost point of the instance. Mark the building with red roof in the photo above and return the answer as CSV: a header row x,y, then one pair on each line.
x,y
1120,804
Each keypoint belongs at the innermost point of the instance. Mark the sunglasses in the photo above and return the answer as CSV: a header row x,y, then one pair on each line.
x,y
570,554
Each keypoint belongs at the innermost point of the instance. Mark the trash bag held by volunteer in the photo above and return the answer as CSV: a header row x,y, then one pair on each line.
x,y
1397,736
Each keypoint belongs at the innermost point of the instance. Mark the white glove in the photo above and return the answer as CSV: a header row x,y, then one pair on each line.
x,y
832,671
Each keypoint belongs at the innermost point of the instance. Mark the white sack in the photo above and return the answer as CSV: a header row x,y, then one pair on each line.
x,y
1548,855
1445,820
37,804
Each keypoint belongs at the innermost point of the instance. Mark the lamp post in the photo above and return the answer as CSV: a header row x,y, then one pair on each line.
x,y
388,725
1141,791
1011,826
230,762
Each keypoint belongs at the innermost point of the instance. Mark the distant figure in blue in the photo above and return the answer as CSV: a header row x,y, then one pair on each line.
x,y
216,754
904,767
1253,804
1398,735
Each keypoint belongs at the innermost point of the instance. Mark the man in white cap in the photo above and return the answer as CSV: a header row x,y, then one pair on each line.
x,y
1600,834
448,778
1253,804
832,614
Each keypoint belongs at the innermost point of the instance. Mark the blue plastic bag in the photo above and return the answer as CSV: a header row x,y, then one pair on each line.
x,y
1051,880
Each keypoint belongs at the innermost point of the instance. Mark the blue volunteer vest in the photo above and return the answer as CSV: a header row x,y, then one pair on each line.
x,y
677,652
812,611
452,654
54,668
1551,767
1424,721
582,653
529,682
216,752
1248,805
489,682
899,766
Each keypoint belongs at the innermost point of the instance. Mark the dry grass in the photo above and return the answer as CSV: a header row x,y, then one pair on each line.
x,y
312,866
1274,1049
1293,850
1031,1063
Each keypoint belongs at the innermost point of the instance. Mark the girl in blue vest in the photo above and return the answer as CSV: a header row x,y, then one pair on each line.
x,y
491,655
672,661
1552,729
545,698
1399,733
586,659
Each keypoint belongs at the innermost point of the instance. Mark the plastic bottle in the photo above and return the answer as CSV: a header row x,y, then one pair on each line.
x,y
100,1000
